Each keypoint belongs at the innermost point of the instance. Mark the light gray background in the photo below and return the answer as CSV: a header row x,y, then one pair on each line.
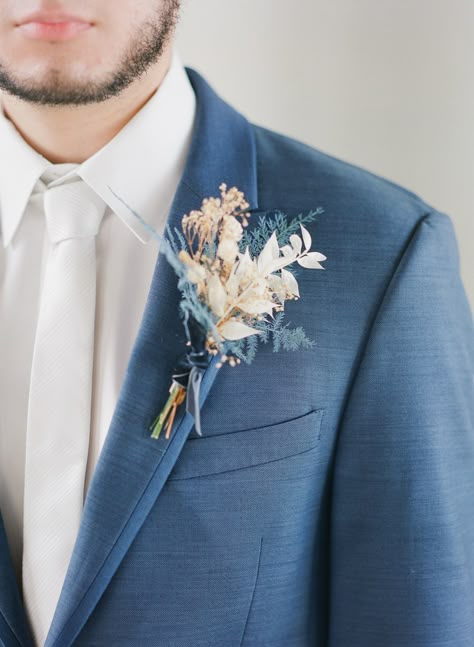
x,y
385,84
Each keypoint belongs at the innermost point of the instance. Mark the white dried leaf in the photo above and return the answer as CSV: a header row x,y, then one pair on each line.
x,y
319,256
287,250
278,263
245,262
269,252
256,306
290,281
217,295
311,260
306,237
237,330
296,243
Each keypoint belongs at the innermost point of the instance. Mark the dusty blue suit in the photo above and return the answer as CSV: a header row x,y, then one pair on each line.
x,y
330,500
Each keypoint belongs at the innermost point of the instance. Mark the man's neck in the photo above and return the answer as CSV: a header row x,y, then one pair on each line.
x,y
74,133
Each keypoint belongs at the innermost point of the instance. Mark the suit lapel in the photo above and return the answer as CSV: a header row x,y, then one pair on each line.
x,y
132,467
13,622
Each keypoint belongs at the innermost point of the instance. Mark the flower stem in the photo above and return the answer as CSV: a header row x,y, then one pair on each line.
x,y
176,397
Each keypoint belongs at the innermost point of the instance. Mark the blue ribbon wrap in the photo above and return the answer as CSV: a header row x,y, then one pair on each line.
x,y
191,367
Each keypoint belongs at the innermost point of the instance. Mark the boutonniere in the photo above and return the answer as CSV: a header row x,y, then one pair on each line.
x,y
230,278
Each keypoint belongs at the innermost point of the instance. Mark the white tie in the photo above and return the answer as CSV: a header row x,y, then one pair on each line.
x,y
59,407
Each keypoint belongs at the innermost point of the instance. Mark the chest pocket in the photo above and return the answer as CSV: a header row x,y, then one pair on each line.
x,y
243,448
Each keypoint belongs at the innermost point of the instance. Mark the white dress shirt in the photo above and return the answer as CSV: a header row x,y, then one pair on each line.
x,y
143,163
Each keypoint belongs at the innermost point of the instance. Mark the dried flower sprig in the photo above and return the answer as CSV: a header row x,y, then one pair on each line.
x,y
237,287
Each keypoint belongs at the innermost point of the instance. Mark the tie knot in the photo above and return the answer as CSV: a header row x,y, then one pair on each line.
x,y
72,210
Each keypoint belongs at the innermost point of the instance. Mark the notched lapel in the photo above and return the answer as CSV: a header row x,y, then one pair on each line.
x,y
132,467
14,628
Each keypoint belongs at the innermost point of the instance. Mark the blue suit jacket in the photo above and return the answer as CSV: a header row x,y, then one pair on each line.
x,y
330,500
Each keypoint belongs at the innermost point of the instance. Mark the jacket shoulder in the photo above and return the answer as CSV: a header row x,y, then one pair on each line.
x,y
293,172
367,225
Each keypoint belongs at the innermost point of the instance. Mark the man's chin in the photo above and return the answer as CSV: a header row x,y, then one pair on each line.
x,y
53,89
52,96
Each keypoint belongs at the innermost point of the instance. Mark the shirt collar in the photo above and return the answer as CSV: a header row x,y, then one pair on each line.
x,y
142,163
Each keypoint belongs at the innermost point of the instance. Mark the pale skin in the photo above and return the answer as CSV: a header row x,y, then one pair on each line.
x,y
68,98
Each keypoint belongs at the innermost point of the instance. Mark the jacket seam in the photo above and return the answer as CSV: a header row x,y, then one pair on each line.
x,y
364,345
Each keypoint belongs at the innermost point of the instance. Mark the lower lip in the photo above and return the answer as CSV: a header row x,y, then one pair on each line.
x,y
53,30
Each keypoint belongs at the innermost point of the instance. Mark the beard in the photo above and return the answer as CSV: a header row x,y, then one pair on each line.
x,y
143,50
